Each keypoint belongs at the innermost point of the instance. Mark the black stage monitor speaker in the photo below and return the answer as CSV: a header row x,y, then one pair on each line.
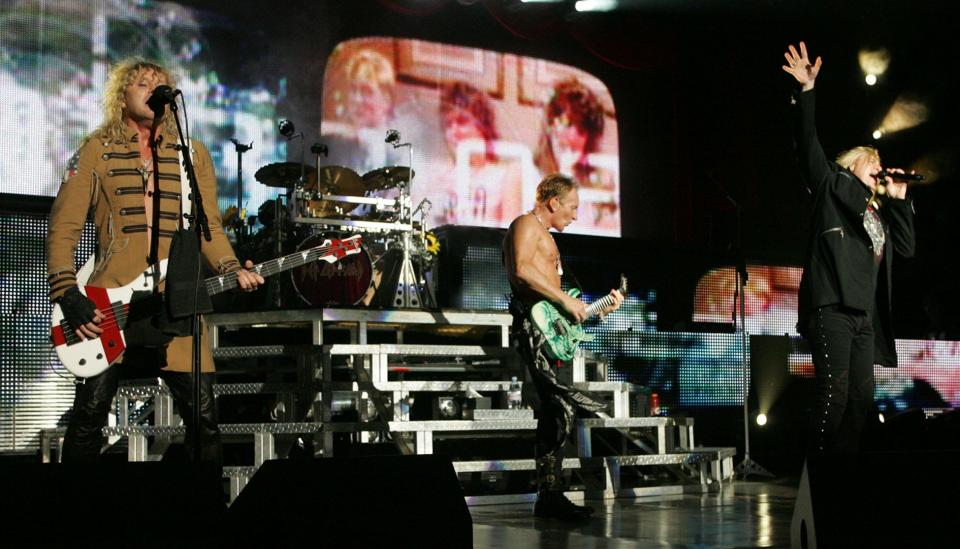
x,y
110,504
376,501
879,499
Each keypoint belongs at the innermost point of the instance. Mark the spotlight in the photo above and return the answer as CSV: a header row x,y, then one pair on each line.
x,y
595,5
905,113
448,407
761,419
871,79
877,134
881,418
874,62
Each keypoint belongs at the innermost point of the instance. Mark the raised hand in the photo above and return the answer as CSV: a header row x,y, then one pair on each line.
x,y
799,66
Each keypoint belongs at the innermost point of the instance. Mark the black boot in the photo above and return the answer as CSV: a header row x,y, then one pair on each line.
x,y
551,503
556,505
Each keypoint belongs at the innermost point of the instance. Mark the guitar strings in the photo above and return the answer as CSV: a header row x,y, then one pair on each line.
x,y
110,314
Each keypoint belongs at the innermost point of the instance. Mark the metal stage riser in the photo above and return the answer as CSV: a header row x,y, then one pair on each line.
x,y
370,378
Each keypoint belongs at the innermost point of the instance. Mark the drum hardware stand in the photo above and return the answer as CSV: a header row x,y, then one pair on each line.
x,y
287,130
424,208
409,293
240,225
275,288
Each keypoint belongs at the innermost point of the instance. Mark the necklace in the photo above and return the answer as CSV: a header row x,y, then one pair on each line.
x,y
555,247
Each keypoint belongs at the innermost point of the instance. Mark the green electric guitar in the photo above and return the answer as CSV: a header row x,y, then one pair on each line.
x,y
562,336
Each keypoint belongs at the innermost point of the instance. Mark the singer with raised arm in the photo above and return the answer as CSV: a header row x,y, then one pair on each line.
x,y
845,293
532,261
126,178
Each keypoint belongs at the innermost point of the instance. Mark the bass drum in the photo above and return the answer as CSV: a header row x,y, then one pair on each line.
x,y
346,282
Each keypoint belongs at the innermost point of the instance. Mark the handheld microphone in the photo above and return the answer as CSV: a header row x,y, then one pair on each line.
x,y
161,96
904,177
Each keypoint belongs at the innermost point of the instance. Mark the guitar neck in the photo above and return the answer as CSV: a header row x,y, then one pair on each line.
x,y
594,308
228,281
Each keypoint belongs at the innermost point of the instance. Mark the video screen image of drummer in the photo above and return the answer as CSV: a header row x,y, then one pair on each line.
x,y
484,126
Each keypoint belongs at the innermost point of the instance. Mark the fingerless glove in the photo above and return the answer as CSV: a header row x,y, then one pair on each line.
x,y
77,308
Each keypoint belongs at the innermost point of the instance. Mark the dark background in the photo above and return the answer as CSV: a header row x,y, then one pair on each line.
x,y
702,104
703,111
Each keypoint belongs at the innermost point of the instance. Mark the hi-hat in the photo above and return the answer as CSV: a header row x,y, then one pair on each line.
x,y
386,178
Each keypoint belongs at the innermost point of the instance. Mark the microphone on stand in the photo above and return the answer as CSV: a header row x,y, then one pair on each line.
x,y
286,128
162,96
393,138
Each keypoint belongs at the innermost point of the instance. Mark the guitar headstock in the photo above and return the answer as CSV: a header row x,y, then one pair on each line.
x,y
350,245
623,285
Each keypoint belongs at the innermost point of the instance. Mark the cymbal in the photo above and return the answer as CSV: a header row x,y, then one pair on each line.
x,y
283,174
386,178
334,180
339,180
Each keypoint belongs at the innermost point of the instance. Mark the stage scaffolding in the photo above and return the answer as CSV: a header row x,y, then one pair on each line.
x,y
351,381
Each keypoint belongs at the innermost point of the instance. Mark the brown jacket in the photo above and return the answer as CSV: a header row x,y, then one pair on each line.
x,y
106,180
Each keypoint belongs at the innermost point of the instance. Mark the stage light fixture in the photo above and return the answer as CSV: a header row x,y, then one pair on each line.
x,y
761,419
877,134
448,407
873,63
905,113
881,418
595,5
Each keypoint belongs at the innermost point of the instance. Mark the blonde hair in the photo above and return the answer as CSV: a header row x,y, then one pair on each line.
x,y
554,185
370,67
847,158
122,74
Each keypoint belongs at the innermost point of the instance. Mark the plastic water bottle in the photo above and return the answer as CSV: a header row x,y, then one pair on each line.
x,y
514,398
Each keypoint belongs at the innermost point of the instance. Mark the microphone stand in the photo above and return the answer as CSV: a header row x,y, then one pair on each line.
x,y
201,225
748,466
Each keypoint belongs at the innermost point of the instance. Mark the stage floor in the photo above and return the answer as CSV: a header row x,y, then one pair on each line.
x,y
745,514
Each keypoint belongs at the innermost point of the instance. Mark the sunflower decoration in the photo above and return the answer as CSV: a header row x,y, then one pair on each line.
x,y
432,243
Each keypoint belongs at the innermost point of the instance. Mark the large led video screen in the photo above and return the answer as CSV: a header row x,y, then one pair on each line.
x,y
54,59
484,128
928,375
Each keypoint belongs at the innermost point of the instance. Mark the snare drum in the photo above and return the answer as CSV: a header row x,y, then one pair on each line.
x,y
343,283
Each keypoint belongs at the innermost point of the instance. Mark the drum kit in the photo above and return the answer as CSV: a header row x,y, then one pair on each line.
x,y
336,202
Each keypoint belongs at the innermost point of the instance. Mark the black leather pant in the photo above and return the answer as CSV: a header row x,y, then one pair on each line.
x,y
91,404
841,342
555,401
